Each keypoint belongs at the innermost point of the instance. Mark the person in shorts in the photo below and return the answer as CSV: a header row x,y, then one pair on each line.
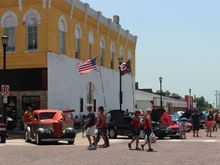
x,y
90,126
102,127
147,130
209,123
136,130
196,117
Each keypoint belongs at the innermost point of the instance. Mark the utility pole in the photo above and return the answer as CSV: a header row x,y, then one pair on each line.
x,y
216,98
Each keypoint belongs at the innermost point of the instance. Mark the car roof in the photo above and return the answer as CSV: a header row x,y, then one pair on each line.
x,y
46,110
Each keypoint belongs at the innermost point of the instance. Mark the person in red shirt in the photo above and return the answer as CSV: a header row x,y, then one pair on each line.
x,y
102,126
148,130
136,130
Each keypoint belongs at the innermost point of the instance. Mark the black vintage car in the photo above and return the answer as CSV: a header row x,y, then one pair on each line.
x,y
2,131
119,123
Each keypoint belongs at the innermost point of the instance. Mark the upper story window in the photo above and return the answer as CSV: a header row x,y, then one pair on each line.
x,y
102,51
121,52
62,25
112,53
32,19
78,36
10,32
91,42
9,21
129,55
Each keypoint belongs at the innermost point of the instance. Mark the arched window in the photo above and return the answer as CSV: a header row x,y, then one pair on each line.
x,y
121,52
62,25
9,21
78,36
32,19
91,42
102,51
129,55
112,49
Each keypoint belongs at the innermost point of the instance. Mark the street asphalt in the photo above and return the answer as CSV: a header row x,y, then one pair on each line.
x,y
190,151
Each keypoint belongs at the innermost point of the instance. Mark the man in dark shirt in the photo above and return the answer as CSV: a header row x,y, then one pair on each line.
x,y
196,123
90,127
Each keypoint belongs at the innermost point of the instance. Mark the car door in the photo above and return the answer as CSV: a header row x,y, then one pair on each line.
x,y
124,126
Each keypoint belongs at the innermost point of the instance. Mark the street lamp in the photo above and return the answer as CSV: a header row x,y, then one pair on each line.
x,y
4,45
190,102
120,61
161,101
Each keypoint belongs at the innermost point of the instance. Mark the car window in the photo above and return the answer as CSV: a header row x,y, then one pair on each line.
x,y
46,115
67,115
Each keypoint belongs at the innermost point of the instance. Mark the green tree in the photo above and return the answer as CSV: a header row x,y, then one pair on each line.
x,y
202,103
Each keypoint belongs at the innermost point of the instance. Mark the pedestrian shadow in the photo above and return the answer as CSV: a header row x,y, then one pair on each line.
x,y
142,150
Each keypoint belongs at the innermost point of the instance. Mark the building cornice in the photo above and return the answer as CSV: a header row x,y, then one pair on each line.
x,y
101,19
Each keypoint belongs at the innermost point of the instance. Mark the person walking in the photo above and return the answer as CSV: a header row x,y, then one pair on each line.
x,y
136,130
147,130
90,126
102,127
209,123
196,117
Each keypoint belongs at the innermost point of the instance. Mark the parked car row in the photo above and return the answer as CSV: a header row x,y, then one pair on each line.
x,y
119,123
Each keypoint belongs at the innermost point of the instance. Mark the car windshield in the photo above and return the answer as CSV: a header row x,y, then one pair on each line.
x,y
46,115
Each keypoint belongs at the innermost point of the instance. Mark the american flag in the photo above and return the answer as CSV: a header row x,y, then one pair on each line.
x,y
85,67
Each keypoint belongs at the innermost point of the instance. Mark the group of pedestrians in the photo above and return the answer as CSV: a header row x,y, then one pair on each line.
x,y
212,122
92,123
136,130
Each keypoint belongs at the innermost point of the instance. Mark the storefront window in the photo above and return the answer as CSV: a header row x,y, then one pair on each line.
x,y
31,101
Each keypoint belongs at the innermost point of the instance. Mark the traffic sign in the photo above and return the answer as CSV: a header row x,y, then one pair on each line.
x,y
5,90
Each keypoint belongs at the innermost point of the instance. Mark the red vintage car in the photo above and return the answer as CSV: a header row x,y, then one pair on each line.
x,y
50,126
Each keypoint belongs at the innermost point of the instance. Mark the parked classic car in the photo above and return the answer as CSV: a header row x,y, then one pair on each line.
x,y
50,126
2,132
119,123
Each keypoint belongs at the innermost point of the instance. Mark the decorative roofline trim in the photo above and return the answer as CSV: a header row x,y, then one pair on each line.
x,y
102,19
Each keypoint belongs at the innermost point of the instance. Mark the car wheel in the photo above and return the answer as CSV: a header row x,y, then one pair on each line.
x,y
26,137
112,134
3,138
71,142
38,140
142,134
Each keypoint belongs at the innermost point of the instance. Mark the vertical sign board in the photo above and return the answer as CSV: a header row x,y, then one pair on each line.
x,y
5,92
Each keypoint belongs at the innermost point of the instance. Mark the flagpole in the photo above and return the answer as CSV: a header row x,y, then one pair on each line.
x,y
102,86
133,90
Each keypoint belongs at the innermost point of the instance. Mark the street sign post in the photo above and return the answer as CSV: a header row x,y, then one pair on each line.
x,y
5,90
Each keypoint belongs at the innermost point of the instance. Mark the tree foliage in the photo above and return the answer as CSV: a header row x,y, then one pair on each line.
x,y
202,103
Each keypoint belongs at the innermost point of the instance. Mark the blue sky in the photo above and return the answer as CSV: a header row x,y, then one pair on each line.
x,y
177,39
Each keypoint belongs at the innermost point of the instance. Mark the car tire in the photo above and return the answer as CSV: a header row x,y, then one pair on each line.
x,y
38,140
142,134
71,142
3,138
112,133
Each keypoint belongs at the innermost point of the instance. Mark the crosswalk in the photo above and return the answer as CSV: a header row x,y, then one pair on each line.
x,y
80,141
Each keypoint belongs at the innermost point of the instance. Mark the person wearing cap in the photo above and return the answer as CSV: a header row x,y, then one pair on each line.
x,y
136,129
147,130
90,126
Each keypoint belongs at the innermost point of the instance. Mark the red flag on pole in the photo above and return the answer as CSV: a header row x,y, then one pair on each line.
x,y
125,67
